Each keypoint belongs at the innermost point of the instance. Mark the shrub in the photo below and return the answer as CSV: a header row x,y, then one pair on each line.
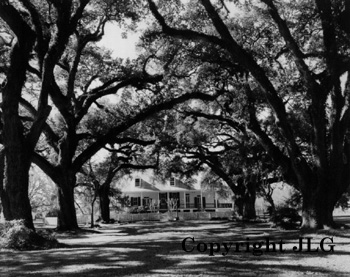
x,y
286,218
15,235
137,209
52,213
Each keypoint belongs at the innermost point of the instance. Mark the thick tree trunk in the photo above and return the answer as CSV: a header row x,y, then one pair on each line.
x,y
14,188
249,211
17,152
249,198
104,203
92,224
67,218
17,162
245,206
14,200
3,196
15,196
238,205
317,211
245,199
272,208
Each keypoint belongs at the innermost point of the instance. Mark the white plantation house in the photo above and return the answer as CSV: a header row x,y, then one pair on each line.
x,y
160,195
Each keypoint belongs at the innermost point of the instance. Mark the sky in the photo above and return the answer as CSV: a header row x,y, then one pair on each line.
x,y
121,47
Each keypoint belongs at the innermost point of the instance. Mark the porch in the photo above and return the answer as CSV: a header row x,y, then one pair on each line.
x,y
182,201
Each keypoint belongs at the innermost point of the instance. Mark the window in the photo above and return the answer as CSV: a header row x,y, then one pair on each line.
x,y
146,201
135,201
172,181
197,202
163,198
137,182
187,200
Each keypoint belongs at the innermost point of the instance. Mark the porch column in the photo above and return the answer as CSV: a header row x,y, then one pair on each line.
x,y
167,197
158,203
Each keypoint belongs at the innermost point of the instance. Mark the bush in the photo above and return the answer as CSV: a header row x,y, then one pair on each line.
x,y
286,218
15,235
52,213
137,210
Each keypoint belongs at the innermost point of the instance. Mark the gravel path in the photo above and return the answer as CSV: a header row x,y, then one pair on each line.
x,y
155,249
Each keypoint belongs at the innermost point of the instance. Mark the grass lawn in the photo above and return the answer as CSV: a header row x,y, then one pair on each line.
x,y
155,249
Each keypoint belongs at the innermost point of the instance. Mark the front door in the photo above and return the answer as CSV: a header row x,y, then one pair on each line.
x,y
175,195
163,198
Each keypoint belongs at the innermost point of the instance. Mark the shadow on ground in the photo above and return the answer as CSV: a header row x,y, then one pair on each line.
x,y
155,249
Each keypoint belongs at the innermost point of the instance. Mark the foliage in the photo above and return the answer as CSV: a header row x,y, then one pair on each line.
x,y
343,202
211,181
227,155
16,236
173,204
276,65
52,213
42,192
286,218
295,200
85,78
138,210
118,201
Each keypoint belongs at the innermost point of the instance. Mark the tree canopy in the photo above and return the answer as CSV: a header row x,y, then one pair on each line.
x,y
278,73
56,61
291,61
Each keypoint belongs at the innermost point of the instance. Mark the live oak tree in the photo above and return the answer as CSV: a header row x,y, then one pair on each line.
x,y
19,142
295,61
213,145
41,35
230,150
120,160
225,146
70,68
122,117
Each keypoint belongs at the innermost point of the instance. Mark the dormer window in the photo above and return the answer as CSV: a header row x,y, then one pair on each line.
x,y
172,181
137,182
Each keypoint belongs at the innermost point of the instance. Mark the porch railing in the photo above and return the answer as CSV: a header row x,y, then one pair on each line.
x,y
194,206
122,217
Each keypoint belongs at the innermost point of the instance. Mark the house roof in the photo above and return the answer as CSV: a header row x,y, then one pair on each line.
x,y
155,186
152,184
163,189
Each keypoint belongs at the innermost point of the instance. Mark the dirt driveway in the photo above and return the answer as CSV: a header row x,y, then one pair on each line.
x,y
218,248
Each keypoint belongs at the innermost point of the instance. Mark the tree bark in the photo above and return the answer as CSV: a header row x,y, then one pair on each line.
x,y
245,192
65,181
14,191
272,208
249,211
317,210
104,203
238,205
92,224
245,207
67,219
